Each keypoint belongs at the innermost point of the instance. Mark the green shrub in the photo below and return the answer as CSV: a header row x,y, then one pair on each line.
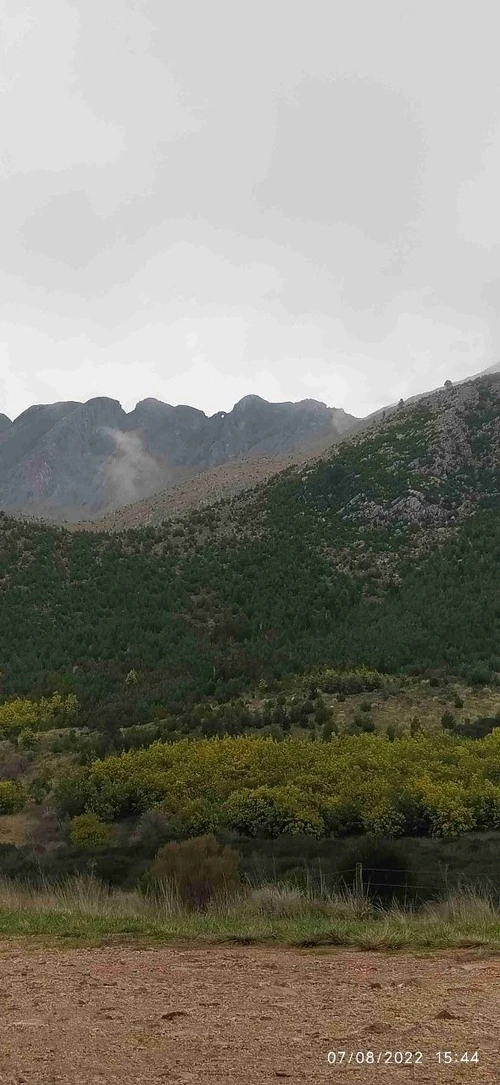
x,y
26,739
197,818
480,675
361,724
73,792
322,715
328,730
11,796
39,788
88,832
448,721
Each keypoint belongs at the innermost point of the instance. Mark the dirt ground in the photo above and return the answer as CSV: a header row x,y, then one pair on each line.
x,y
243,1016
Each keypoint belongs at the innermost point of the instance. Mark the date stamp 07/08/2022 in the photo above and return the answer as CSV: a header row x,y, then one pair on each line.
x,y
370,1057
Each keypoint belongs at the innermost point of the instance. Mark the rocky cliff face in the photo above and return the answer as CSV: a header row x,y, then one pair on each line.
x,y
73,460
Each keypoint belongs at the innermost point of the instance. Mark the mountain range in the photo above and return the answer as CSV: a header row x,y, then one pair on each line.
x,y
74,460
94,463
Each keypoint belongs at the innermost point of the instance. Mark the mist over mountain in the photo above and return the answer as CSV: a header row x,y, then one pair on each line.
x,y
74,460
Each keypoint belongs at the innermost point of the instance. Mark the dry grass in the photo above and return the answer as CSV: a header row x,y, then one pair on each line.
x,y
282,901
15,828
85,909
417,700
465,906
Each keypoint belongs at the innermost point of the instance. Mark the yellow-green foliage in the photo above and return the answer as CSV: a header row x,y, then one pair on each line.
x,y
11,796
87,831
347,681
20,714
426,784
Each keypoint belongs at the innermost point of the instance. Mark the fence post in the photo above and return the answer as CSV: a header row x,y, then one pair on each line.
x,y
358,881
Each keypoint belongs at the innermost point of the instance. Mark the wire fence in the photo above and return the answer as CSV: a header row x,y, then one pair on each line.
x,y
366,877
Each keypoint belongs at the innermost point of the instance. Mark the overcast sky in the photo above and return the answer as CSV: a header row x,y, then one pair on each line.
x,y
291,198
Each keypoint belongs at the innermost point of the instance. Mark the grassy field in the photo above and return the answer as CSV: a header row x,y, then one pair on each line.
x,y
83,910
424,703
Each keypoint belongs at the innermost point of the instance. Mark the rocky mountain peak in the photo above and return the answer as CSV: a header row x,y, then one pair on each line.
x,y
71,460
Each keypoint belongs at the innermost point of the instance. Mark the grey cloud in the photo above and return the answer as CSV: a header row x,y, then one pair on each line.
x,y
347,151
296,186
66,230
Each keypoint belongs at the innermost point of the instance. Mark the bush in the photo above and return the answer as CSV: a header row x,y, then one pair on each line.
x,y
328,730
39,788
26,739
479,727
196,818
72,793
13,763
323,714
88,832
480,675
199,869
11,797
448,721
361,724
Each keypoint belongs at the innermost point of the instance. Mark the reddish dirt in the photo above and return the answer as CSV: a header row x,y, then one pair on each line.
x,y
241,1016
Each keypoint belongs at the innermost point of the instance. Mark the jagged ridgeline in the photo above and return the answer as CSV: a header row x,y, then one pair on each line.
x,y
71,461
384,552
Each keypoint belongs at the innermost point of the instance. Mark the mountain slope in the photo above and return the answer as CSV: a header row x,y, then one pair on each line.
x,y
73,460
207,487
236,477
385,551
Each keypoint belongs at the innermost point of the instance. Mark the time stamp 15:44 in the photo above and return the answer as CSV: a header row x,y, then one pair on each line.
x,y
401,1058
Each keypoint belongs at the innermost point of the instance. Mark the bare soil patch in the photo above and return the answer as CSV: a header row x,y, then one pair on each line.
x,y
242,1015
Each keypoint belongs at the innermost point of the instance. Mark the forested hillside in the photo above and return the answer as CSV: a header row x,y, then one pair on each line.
x,y
384,552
